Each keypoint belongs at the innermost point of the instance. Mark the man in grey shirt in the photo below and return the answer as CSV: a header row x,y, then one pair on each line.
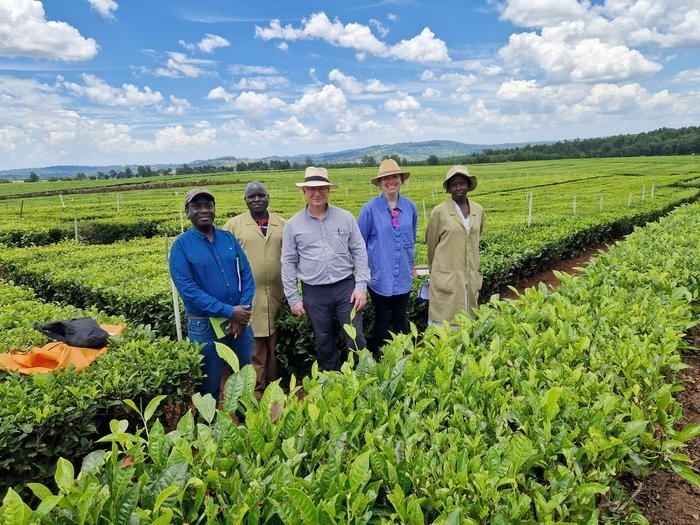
x,y
322,247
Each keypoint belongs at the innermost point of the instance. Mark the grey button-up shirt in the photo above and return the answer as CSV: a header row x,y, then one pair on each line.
x,y
322,251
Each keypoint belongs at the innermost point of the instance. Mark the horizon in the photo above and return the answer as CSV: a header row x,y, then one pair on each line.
x,y
117,83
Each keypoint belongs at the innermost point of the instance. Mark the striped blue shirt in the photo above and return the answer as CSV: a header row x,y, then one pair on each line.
x,y
391,251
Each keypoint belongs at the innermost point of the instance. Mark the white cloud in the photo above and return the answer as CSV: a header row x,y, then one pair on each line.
x,y
611,98
392,17
689,75
349,84
211,42
427,76
375,85
10,136
240,69
329,99
458,79
180,65
247,102
584,60
422,48
261,83
431,93
402,102
104,7
178,106
128,95
539,13
257,103
283,46
379,27
25,31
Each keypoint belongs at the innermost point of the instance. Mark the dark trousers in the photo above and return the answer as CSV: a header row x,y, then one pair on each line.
x,y
388,312
328,307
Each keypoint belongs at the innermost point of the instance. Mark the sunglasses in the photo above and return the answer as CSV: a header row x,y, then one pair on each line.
x,y
395,218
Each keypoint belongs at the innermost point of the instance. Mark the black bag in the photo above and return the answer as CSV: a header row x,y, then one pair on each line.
x,y
82,331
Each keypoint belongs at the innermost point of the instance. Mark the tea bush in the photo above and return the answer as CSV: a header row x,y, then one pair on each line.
x,y
46,416
527,414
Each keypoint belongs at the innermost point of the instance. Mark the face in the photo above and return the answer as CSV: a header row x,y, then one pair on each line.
x,y
316,196
458,185
201,212
257,199
390,184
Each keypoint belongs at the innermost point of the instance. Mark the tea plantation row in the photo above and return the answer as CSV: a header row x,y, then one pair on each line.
x,y
528,414
46,416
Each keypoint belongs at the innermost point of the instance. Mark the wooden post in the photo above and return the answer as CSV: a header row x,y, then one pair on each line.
x,y
21,208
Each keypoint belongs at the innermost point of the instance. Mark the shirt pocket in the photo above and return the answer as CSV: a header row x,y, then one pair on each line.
x,y
339,241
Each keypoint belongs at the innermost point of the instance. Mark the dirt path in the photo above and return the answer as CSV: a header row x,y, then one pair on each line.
x,y
664,498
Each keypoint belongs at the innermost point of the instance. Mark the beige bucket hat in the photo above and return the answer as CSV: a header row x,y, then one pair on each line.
x,y
389,167
315,177
458,169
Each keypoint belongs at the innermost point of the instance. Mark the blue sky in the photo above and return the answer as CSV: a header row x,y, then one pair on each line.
x,y
151,81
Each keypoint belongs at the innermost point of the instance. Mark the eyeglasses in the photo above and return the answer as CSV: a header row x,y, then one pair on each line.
x,y
395,218
321,189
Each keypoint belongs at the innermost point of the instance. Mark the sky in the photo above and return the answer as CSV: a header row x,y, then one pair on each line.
x,y
101,82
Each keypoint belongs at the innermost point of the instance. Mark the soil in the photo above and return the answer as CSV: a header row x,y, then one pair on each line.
x,y
664,498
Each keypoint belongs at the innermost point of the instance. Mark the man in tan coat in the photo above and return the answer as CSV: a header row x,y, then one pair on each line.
x,y
452,238
259,232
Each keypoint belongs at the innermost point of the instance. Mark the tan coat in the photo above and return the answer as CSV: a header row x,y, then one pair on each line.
x,y
264,255
453,260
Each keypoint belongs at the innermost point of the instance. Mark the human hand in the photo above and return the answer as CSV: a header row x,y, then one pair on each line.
x,y
298,309
240,315
359,299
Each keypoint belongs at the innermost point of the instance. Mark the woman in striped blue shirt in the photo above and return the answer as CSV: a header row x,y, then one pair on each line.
x,y
388,223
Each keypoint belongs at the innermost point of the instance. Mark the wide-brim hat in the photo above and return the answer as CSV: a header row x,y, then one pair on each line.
x,y
195,192
460,170
389,167
315,177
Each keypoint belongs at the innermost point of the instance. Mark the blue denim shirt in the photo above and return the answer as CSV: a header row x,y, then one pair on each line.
x,y
391,251
212,277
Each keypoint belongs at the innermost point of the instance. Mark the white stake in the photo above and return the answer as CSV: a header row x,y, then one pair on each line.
x,y
574,205
644,189
425,215
182,224
652,191
75,227
629,201
62,201
601,202
176,302
529,211
117,202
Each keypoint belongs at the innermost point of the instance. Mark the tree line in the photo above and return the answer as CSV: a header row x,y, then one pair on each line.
x,y
663,141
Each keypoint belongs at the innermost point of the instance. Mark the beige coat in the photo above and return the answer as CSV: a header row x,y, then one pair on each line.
x,y
264,255
453,260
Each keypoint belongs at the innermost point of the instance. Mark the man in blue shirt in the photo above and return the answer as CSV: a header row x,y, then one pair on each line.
x,y
212,274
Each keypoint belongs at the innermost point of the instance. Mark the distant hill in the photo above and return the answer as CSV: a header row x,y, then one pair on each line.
x,y
412,151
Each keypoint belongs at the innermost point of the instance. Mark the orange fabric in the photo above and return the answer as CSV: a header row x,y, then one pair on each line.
x,y
54,356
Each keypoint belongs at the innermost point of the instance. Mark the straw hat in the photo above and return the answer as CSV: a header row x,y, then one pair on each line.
x,y
460,170
315,177
390,167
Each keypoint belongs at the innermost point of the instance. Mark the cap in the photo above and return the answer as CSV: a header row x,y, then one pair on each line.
x,y
190,195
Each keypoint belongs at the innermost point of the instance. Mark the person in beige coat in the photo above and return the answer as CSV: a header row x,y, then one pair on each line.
x,y
452,238
259,233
